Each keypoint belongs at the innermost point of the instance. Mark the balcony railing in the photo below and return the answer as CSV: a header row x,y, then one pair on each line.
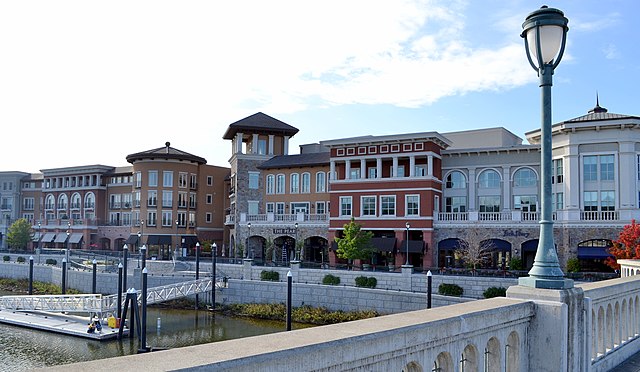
x,y
278,219
517,216
230,219
599,216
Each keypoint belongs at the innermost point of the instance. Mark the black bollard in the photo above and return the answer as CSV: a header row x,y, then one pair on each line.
x,y
95,276
143,253
289,285
125,259
143,326
64,276
214,254
30,275
429,283
197,269
119,312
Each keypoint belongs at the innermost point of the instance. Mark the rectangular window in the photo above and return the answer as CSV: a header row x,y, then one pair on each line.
x,y
167,179
152,218
270,207
400,170
209,180
320,182
557,201
167,199
193,181
388,205
558,171
412,203
590,201
152,198
421,170
138,179
181,217
167,218
183,180
182,199
455,204
354,174
489,203
192,199
209,199
606,167
300,208
279,208
368,205
208,217
262,147
526,203
372,172
29,204
254,177
607,200
345,206
320,208
253,207
153,178
590,168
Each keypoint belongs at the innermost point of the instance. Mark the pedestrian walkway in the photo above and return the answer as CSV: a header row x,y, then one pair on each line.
x,y
630,365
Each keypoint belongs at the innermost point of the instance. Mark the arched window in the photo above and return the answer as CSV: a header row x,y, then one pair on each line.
x,y
75,201
63,201
489,179
271,180
50,203
89,201
280,184
295,183
456,180
306,183
524,177
320,182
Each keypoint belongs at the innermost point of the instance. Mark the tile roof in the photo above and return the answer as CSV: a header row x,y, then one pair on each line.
x,y
296,161
260,123
166,152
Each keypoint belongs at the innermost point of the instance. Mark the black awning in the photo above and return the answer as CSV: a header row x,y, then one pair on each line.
x,y
48,237
449,244
593,253
500,245
164,239
75,238
415,246
384,244
530,245
60,238
132,239
152,240
189,241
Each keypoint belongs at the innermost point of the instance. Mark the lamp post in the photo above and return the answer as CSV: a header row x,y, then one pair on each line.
x,y
197,269
39,236
248,240
214,254
295,244
545,35
138,244
407,225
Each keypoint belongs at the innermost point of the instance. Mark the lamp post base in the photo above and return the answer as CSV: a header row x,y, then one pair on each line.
x,y
546,283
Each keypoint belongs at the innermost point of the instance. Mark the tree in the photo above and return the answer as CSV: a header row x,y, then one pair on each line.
x,y
19,235
474,246
627,246
355,244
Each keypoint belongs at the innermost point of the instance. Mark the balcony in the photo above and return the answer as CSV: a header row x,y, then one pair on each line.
x,y
280,219
518,217
230,219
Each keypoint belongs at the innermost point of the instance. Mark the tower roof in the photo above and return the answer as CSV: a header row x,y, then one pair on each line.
x,y
166,152
259,123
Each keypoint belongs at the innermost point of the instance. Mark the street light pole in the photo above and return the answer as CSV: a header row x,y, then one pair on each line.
x,y
214,254
407,225
248,240
197,269
545,35
295,244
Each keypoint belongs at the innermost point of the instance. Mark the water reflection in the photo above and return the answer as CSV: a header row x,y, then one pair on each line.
x,y
23,349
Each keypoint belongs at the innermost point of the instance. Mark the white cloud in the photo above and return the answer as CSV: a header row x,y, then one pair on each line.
x,y
611,51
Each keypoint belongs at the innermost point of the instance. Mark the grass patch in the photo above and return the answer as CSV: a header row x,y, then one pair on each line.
x,y
304,314
21,286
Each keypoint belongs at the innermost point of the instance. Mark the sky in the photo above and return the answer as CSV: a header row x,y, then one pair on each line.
x,y
89,82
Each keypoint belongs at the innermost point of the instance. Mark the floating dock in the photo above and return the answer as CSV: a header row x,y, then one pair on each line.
x,y
73,325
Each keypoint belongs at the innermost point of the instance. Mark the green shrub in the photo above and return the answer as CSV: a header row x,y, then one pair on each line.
x,y
20,259
573,265
516,264
273,276
331,280
51,261
366,282
495,292
450,290
6,258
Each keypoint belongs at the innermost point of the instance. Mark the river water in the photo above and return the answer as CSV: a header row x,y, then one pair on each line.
x,y
23,349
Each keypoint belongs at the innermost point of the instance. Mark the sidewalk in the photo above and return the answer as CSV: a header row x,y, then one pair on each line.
x,y
630,365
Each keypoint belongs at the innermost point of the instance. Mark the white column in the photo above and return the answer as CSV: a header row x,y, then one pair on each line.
x,y
347,170
271,136
412,166
626,179
254,144
286,146
379,168
238,143
472,189
572,177
363,168
332,170
430,165
506,188
394,169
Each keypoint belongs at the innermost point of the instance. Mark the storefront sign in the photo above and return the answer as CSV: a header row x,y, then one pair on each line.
x,y
515,233
285,231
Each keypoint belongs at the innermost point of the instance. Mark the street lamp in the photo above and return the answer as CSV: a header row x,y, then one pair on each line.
x,y
545,35
138,244
248,240
407,226
39,237
295,244
214,254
